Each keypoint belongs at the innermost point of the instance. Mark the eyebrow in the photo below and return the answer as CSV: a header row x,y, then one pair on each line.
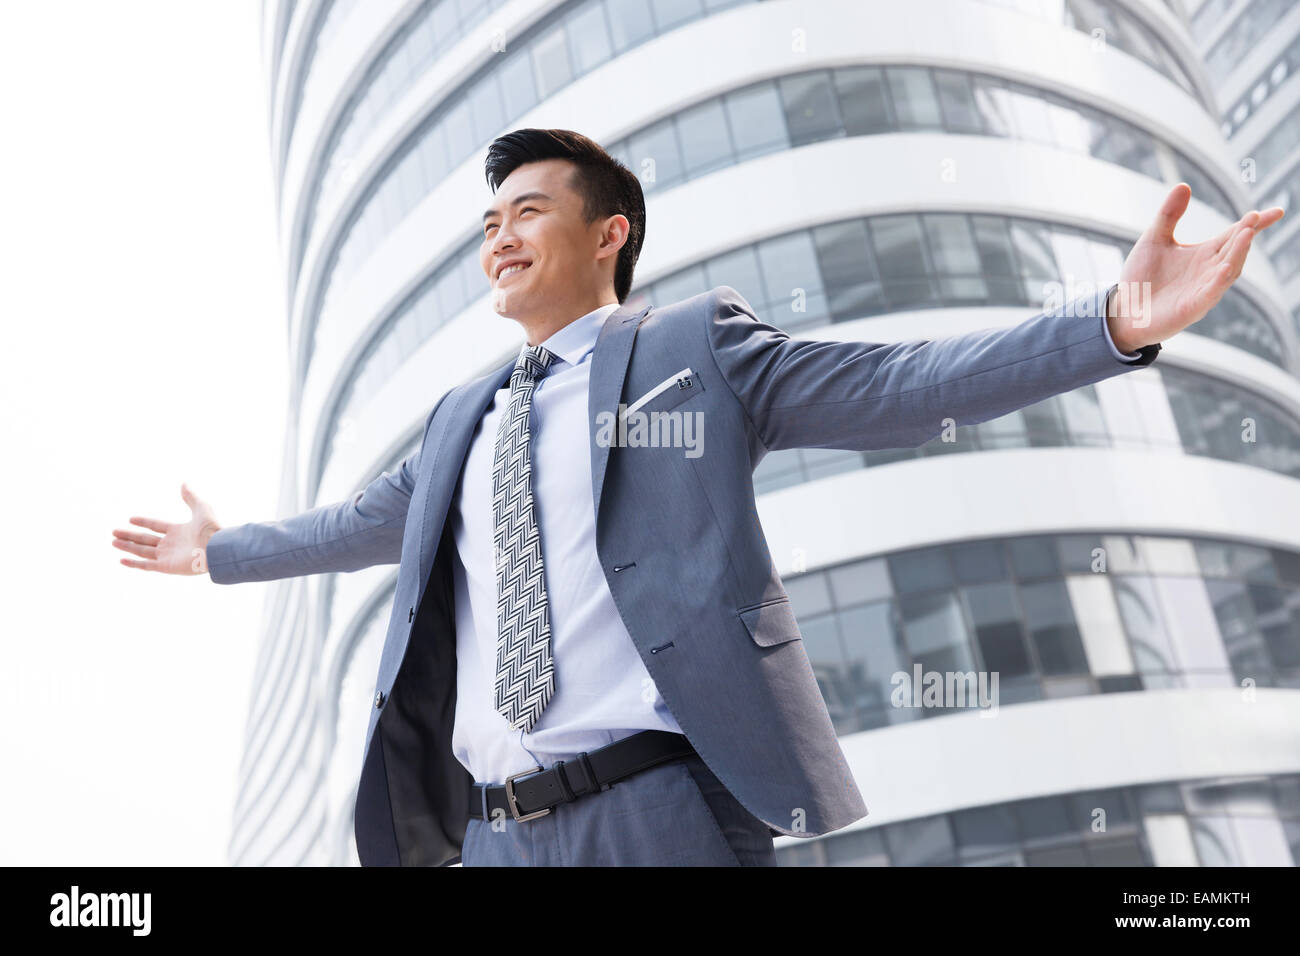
x,y
524,197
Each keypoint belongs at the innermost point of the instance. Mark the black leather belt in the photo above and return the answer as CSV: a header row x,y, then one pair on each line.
x,y
567,780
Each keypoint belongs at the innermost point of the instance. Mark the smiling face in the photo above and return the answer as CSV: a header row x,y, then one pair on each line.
x,y
545,263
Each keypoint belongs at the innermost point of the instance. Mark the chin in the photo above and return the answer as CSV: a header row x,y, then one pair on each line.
x,y
508,306
501,303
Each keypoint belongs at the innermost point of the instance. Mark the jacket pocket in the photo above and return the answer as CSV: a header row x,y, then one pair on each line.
x,y
671,392
771,622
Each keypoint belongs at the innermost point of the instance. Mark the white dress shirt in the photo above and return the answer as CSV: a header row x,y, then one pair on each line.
x,y
602,691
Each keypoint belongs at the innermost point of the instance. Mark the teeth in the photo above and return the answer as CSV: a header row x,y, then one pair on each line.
x,y
515,268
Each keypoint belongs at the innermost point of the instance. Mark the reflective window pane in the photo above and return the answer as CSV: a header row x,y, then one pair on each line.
x,y
1052,629
811,113
757,121
589,38
864,101
957,102
848,270
915,102
705,144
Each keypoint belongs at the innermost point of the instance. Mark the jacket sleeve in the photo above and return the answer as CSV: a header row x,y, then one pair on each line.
x,y
360,531
804,393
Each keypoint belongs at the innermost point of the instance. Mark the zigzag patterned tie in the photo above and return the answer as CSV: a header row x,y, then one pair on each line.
x,y
525,677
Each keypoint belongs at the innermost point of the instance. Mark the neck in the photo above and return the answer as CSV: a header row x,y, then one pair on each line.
x,y
539,328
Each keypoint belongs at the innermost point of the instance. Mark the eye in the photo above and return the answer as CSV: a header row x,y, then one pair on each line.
x,y
492,225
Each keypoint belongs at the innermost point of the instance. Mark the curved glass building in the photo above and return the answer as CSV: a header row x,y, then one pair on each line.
x,y
1251,50
1124,558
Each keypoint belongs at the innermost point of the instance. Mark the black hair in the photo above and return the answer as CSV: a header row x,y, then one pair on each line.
x,y
607,187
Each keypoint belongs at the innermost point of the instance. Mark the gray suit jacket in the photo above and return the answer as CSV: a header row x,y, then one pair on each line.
x,y
679,539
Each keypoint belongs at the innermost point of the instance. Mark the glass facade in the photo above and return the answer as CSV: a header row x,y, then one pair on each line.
x,y
1053,615
1121,29
323,32
1262,120
432,30
1268,83
1244,821
810,107
1284,193
1207,17
284,16
1274,151
1249,28
1286,256
805,108
1284,247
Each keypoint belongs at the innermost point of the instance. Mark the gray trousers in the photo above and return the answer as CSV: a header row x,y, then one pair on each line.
x,y
674,814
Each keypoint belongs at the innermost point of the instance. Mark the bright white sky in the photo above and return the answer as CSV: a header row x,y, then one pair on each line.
x,y
144,345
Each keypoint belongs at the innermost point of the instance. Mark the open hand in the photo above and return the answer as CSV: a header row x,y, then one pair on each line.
x,y
1167,285
182,549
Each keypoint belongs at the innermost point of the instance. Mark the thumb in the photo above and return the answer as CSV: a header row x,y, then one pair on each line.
x,y
188,496
1171,210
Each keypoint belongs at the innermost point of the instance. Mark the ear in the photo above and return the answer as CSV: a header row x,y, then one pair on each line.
x,y
613,235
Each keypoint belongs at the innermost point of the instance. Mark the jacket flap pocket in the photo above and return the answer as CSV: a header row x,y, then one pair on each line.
x,y
771,622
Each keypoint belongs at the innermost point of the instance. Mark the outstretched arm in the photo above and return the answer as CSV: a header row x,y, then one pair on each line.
x,y
806,393
361,531
801,393
364,530
358,532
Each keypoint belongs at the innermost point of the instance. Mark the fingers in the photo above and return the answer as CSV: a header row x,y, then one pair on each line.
x,y
142,565
137,537
1216,284
1268,217
1224,268
1235,256
1253,221
133,547
1224,239
153,524
1171,210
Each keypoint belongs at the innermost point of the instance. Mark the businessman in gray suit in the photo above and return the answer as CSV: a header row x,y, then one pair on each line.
x,y
591,658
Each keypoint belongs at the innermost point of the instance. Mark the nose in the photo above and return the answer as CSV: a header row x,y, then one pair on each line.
x,y
504,241
501,246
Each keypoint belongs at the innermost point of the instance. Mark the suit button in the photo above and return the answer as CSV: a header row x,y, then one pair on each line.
x,y
379,699
410,616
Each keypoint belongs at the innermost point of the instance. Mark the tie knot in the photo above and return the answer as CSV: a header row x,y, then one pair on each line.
x,y
533,362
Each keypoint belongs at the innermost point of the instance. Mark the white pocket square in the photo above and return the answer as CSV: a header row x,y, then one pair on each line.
x,y
667,383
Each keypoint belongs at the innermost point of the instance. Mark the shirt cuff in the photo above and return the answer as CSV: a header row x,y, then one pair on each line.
x,y
1105,327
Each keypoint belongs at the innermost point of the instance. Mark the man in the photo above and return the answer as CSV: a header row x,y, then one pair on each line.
x,y
591,658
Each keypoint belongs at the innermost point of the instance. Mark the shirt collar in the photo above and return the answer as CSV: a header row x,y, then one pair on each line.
x,y
573,342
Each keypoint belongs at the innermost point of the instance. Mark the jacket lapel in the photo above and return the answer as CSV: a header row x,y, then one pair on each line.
x,y
605,387
470,402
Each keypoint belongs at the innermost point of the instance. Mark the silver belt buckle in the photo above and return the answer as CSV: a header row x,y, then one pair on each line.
x,y
510,797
